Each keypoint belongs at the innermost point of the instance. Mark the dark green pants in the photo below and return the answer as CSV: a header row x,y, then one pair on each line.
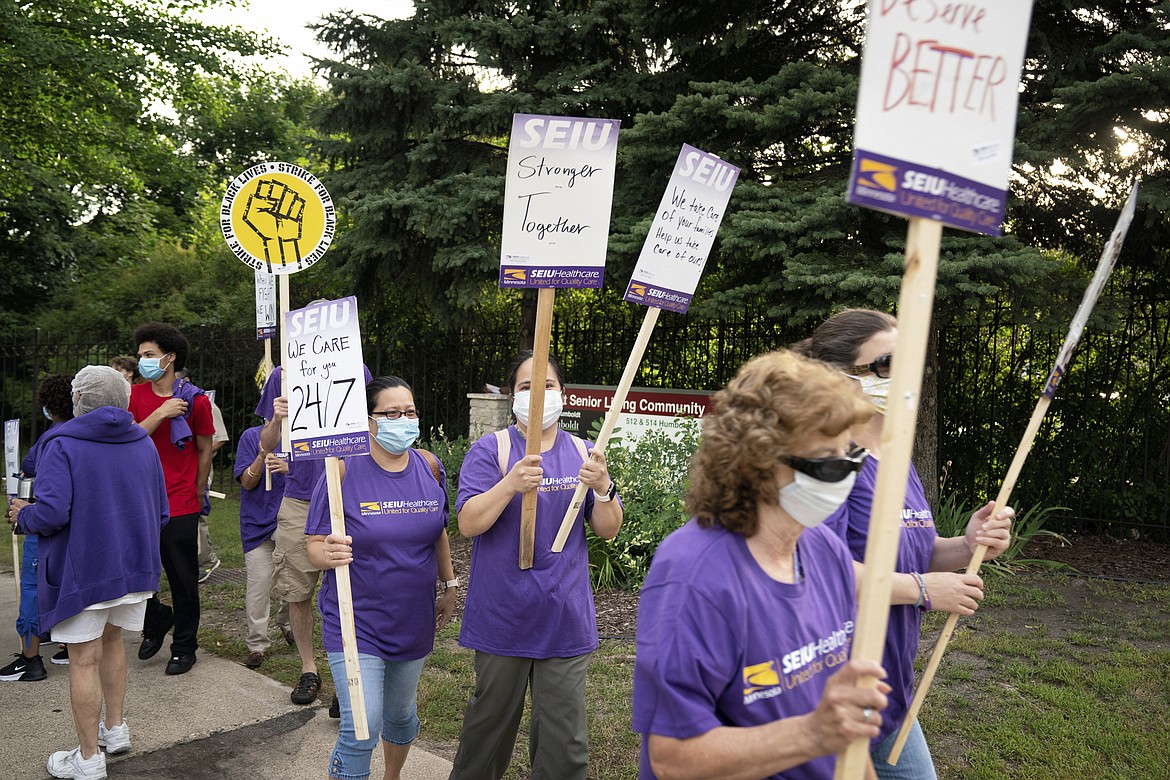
x,y
558,741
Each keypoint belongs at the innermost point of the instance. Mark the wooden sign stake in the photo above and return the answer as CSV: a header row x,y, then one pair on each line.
x,y
915,305
353,673
540,347
1080,319
282,303
611,418
268,373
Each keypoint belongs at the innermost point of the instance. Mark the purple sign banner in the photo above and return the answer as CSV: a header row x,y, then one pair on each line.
x,y
683,231
558,193
914,190
326,381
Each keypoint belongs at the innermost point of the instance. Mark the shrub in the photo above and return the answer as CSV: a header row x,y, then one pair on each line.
x,y
954,513
652,482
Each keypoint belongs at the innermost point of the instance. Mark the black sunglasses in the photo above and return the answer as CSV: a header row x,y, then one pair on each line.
x,y
831,469
879,367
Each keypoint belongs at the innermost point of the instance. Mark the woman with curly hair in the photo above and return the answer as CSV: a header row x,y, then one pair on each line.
x,y
747,615
56,398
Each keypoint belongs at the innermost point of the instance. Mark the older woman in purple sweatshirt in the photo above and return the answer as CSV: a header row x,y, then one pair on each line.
x,y
97,568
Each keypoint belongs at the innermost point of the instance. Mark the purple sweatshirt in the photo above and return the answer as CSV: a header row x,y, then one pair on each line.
x,y
101,502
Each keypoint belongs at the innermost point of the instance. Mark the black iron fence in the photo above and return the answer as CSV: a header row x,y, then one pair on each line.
x,y
1104,450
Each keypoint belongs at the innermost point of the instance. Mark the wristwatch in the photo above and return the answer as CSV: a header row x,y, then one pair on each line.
x,y
607,495
444,584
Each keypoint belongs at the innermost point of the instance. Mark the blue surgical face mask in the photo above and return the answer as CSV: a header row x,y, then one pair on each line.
x,y
150,368
396,436
48,416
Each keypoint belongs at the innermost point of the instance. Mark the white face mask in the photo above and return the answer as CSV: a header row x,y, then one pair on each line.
x,y
810,502
553,406
877,389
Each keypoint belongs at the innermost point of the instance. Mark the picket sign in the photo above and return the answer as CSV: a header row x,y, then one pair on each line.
x,y
667,274
1060,368
915,304
558,193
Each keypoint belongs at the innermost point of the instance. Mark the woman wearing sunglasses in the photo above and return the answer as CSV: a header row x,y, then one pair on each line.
x,y
747,614
860,342
396,549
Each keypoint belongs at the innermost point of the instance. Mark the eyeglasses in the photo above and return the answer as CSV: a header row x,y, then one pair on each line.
x,y
880,367
394,414
831,469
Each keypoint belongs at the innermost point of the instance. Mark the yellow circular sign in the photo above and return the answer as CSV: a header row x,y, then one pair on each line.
x,y
277,217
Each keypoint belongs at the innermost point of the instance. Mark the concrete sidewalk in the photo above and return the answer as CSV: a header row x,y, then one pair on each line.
x,y
218,720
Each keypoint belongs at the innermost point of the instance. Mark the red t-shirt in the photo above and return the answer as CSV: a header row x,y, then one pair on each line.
x,y
180,466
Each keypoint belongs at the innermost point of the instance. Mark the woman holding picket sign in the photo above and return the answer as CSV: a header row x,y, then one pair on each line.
x,y
860,342
396,548
748,611
535,626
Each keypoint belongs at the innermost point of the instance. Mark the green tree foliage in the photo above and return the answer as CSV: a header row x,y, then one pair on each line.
x,y
115,120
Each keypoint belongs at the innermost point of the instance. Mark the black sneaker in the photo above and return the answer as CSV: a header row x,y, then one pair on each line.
x,y
24,669
306,689
61,657
152,642
180,664
335,709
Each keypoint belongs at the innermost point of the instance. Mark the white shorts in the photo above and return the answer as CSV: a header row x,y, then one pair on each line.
x,y
127,612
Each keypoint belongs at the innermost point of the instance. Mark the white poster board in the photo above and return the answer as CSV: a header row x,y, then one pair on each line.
x,y
326,381
936,110
683,231
265,305
557,199
12,455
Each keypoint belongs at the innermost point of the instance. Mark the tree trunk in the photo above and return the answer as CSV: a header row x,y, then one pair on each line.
x,y
527,319
926,435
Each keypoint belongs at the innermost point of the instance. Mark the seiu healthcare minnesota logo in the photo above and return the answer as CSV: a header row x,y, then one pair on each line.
x,y
368,508
877,180
760,681
515,275
637,290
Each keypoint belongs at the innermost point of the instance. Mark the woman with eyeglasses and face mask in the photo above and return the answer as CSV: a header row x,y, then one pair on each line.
x,y
860,343
396,548
535,627
746,617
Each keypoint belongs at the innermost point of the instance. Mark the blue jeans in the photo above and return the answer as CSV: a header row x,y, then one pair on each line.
x,y
390,689
915,762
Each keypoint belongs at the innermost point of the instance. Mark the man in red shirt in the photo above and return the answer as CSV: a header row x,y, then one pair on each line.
x,y
177,415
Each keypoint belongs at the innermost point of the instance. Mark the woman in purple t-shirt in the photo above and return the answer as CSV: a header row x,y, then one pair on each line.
x,y
747,615
532,626
396,548
860,342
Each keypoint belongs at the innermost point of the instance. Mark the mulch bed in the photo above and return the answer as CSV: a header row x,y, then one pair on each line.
x,y
1104,556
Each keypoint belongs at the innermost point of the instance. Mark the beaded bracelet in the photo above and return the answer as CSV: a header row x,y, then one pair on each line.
x,y
923,602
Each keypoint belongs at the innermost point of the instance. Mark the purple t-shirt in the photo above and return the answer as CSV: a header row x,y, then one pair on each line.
x,y
546,611
303,475
258,507
720,643
395,519
915,548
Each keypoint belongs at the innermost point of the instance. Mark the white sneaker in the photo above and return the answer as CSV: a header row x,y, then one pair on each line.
x,y
70,765
115,740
